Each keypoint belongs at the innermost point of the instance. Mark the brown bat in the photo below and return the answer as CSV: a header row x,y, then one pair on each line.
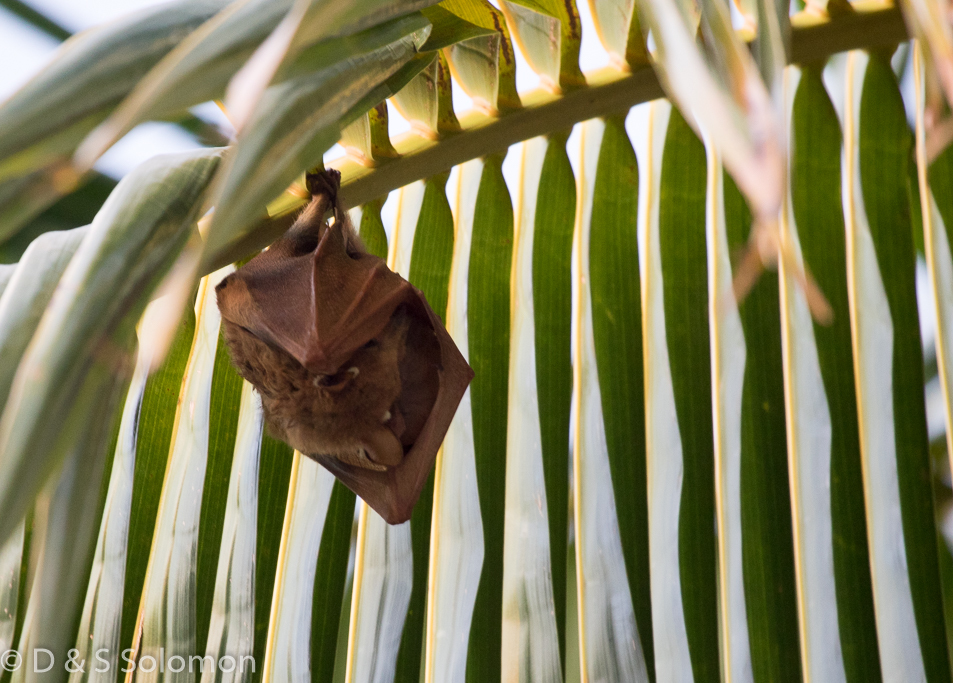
x,y
353,367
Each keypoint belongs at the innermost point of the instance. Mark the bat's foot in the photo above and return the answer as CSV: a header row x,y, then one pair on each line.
x,y
326,182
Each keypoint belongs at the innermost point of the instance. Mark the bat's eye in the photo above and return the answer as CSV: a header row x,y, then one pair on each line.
x,y
371,344
335,382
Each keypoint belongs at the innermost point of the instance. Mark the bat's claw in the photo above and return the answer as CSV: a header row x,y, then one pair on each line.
x,y
326,182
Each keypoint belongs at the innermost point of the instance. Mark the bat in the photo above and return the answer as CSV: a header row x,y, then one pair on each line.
x,y
353,367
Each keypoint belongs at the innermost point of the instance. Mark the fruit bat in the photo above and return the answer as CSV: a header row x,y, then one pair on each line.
x,y
353,367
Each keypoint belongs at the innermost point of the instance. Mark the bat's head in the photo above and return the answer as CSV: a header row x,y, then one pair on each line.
x,y
353,367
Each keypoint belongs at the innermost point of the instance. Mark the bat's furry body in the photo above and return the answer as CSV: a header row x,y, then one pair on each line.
x,y
353,367
325,413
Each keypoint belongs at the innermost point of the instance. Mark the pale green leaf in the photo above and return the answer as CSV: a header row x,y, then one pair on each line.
x,y
367,139
130,244
195,71
224,409
936,200
297,120
531,647
457,545
617,335
488,327
309,23
273,478
888,366
833,565
426,102
383,582
154,434
935,37
332,589
771,44
232,625
619,29
678,432
722,96
371,228
553,226
610,646
549,33
66,521
24,198
429,271
167,615
6,272
766,543
69,211
99,630
11,559
450,27
288,650
282,210
485,64
50,153
90,74
27,295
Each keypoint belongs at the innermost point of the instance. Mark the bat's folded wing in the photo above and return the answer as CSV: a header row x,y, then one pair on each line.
x,y
393,493
320,305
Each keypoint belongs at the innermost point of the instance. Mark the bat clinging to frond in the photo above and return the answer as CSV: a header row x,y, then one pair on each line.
x,y
354,368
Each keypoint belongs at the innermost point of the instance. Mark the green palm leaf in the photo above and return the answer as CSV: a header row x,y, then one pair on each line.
x,y
650,478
